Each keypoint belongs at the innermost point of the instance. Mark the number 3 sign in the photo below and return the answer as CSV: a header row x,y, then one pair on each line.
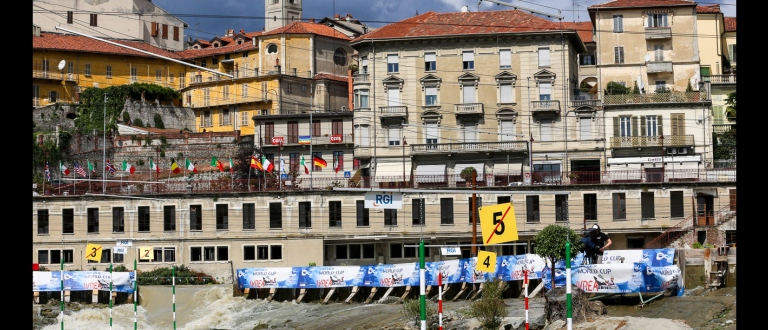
x,y
93,252
146,253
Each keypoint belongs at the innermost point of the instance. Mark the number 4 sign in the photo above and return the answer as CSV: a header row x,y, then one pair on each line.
x,y
146,253
486,261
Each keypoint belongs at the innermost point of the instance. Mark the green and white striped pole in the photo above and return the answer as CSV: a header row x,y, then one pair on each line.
x,y
61,314
173,288
422,287
569,310
110,296
135,294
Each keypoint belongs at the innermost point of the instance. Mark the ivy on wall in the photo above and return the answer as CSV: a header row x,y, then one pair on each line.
x,y
92,106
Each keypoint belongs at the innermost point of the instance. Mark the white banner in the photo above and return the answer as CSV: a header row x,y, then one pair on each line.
x,y
383,200
124,242
120,250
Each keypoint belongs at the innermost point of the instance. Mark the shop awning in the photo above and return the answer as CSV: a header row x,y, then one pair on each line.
x,y
386,172
479,167
430,173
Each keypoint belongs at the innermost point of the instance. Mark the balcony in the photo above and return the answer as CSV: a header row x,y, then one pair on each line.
x,y
393,111
296,140
586,103
723,128
361,78
720,78
651,141
468,147
658,67
363,152
44,74
673,97
545,106
468,109
656,33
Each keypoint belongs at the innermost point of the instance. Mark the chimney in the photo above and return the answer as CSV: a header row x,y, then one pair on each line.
x,y
311,20
349,16
230,32
242,31
336,16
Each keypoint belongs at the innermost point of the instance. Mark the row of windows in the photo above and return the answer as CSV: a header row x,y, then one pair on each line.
x,y
467,60
259,252
93,21
651,21
650,125
362,214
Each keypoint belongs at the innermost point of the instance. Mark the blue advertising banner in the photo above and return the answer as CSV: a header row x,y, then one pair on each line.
x,y
449,268
83,280
277,277
330,277
391,275
651,257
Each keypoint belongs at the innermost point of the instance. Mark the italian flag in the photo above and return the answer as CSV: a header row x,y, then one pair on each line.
x,y
190,166
128,167
153,166
267,165
63,168
90,167
306,169
218,164
231,166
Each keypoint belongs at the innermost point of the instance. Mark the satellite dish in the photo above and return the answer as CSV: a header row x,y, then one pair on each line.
x,y
61,64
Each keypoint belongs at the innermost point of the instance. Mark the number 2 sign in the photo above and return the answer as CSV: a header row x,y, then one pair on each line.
x,y
146,253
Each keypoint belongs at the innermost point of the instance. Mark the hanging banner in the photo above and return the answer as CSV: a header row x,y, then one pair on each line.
x,y
470,274
512,268
651,257
305,139
391,275
277,277
330,277
83,280
449,268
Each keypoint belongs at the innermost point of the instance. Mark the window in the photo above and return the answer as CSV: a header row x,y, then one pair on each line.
x,y
215,60
618,54
657,20
207,98
143,218
334,214
658,53
362,135
338,161
275,215
170,77
225,92
678,124
590,207
294,162
118,220
585,128
337,127
355,251
272,49
413,252
244,90
651,126
341,252
587,59
109,71
316,128
361,98
362,214
676,206
305,214
646,205
176,33
446,211
203,63
544,57
93,220
207,121
430,62
54,257
393,97
506,93
468,60
618,23
469,132
503,199
195,217
70,17
625,126
394,135
561,207
340,57
207,253
225,116
169,218
222,217
732,199
134,74
165,31
546,129
161,254
316,168
619,206
390,217
42,221
392,65
289,86
730,237
249,216
505,59
94,20
430,96
395,250
244,118
88,69
431,133
417,211
545,91
68,221
53,96
262,252
732,53
532,209
477,207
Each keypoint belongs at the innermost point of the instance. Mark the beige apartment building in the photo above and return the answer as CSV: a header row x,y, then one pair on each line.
x,y
717,44
137,20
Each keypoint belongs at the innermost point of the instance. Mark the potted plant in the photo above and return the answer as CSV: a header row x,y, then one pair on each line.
x,y
467,174
574,177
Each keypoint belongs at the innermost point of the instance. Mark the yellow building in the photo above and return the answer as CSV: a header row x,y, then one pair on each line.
x,y
65,65
717,49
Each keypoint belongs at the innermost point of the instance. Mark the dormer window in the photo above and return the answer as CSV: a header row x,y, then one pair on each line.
x,y
272,49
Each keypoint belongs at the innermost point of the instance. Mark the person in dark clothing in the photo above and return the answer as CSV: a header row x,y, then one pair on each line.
x,y
588,247
601,242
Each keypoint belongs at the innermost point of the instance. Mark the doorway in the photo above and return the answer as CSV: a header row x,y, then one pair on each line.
x,y
585,171
704,213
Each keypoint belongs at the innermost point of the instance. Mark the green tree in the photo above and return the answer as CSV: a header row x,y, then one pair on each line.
x,y
138,123
159,121
550,244
614,88
730,103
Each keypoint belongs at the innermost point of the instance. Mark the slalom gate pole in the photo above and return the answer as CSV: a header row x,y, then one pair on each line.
x,y
61,314
569,309
110,296
422,288
440,299
135,293
525,285
173,287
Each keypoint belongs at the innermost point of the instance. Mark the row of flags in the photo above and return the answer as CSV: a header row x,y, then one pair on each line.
x,y
265,165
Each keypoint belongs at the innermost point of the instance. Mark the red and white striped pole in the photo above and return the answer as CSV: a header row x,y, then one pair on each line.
x,y
525,284
440,299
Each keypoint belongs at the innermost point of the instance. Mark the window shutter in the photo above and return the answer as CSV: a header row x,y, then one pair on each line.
x,y
616,131
634,126
649,21
665,21
621,23
430,57
505,58
505,93
154,29
659,132
231,116
615,54
221,118
621,54
468,56
642,126
176,33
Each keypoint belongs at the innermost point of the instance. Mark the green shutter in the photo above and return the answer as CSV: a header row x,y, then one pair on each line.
x,y
659,122
642,126
634,126
616,132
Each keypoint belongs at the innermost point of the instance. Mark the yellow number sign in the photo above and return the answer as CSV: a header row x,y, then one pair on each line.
x,y
146,253
498,223
486,261
93,252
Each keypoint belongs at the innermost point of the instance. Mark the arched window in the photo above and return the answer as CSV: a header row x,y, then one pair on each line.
x,y
340,57
272,49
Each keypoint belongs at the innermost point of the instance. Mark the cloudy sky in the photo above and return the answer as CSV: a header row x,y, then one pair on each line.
x,y
210,18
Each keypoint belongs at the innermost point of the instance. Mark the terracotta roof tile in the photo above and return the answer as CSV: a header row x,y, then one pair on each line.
x,y
584,29
432,24
307,28
76,43
642,3
730,24
710,9
330,76
231,48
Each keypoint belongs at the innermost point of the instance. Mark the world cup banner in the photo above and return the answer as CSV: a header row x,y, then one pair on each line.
x,y
391,275
606,278
513,268
651,257
83,280
448,268
278,277
471,275
330,277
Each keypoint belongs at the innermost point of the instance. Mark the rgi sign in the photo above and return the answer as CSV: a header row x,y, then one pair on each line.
x,y
383,200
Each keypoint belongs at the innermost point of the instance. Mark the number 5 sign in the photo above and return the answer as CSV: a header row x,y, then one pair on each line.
x,y
498,223
146,253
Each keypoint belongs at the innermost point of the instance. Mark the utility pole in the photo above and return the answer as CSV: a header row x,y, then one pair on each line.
x,y
474,212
